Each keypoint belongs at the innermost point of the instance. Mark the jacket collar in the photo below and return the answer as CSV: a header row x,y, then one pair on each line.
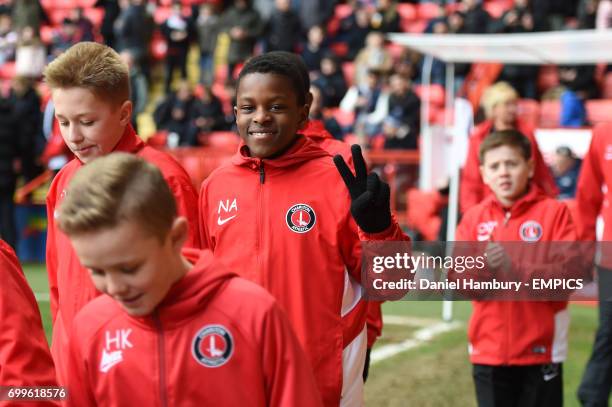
x,y
533,195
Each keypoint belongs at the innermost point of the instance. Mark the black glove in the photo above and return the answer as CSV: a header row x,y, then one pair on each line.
x,y
366,366
370,196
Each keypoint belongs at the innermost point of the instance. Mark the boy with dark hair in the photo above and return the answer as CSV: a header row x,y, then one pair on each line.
x,y
282,193
91,93
175,327
517,362
24,354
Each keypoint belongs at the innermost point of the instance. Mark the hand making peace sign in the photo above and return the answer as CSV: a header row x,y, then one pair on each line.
x,y
370,196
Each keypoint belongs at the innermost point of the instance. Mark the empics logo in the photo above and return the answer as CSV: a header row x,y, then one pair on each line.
x,y
116,343
212,346
300,218
227,208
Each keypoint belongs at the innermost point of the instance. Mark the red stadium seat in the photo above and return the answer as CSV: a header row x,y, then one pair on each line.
x,y
46,34
95,15
340,49
550,111
221,140
343,117
427,11
7,70
407,11
57,15
87,3
415,27
161,14
348,70
598,111
437,94
498,7
529,111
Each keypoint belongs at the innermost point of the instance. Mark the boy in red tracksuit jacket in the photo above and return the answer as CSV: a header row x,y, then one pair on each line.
x,y
516,346
593,200
175,328
24,354
90,91
500,104
281,214
315,131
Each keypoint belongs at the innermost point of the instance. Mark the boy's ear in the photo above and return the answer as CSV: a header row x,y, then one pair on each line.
x,y
179,232
125,113
304,113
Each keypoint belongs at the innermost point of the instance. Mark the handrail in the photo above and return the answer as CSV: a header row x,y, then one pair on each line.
x,y
27,189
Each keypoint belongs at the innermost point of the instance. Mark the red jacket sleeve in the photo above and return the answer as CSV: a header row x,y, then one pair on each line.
x,y
51,253
203,226
77,382
288,377
25,359
187,206
472,188
589,196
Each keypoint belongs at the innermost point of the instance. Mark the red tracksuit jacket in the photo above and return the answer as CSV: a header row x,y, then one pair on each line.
x,y
473,190
315,130
70,285
286,225
24,354
518,332
215,340
595,173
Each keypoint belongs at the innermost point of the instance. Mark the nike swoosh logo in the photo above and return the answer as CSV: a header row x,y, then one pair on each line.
x,y
548,377
222,221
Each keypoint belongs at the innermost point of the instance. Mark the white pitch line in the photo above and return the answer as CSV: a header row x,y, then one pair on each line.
x,y
42,297
409,321
420,337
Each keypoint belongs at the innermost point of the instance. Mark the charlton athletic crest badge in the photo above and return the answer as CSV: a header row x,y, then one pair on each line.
x,y
530,231
213,346
300,218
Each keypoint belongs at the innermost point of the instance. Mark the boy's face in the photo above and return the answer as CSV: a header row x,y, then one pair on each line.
x,y
507,173
129,264
268,114
90,126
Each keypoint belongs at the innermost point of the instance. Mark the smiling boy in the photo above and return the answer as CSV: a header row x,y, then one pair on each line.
x,y
280,214
517,347
175,327
90,90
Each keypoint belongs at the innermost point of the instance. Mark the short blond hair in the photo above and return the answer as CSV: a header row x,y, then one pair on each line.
x,y
93,66
116,188
500,92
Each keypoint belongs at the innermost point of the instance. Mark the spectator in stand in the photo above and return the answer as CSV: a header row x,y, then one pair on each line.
x,y
476,20
264,8
28,13
177,31
9,148
500,105
111,12
316,114
243,25
441,17
354,29
438,67
386,18
369,103
404,107
373,56
331,80
134,30
314,48
579,79
28,113
8,39
209,115
283,30
31,54
175,114
518,19
84,26
566,168
63,38
207,25
316,12
603,20
139,92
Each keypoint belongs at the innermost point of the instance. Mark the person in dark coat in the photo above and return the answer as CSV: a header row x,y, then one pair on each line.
x,y
9,147
283,29
178,32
